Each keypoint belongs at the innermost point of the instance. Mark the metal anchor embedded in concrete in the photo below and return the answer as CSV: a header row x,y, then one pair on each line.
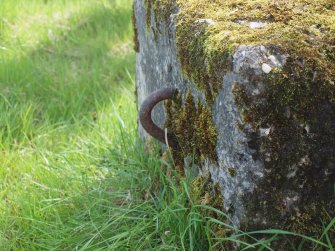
x,y
145,115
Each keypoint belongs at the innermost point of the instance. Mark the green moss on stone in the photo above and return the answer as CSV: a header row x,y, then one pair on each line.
x,y
232,172
209,32
162,10
194,129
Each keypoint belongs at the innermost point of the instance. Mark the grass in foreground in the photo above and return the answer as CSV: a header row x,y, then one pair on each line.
x,y
66,71
73,174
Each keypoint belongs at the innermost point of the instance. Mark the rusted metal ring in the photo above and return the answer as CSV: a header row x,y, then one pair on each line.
x,y
145,115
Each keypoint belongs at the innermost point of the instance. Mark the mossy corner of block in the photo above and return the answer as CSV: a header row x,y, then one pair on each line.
x,y
209,32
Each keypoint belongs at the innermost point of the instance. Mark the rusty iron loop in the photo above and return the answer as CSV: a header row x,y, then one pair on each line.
x,y
145,115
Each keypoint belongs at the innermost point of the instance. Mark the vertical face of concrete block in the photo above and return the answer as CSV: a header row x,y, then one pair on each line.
x,y
271,101
157,65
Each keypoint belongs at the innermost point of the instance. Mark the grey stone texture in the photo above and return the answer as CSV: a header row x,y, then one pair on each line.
x,y
158,66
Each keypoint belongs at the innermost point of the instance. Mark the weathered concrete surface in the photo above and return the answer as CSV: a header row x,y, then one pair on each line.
x,y
157,65
257,194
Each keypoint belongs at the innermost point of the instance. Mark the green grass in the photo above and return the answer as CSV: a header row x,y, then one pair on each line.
x,y
66,80
73,173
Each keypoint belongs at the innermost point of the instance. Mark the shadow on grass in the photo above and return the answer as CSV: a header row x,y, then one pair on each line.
x,y
71,74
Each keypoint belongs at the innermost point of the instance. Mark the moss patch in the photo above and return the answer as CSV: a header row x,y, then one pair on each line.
x,y
304,29
162,10
194,129
232,172
208,33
